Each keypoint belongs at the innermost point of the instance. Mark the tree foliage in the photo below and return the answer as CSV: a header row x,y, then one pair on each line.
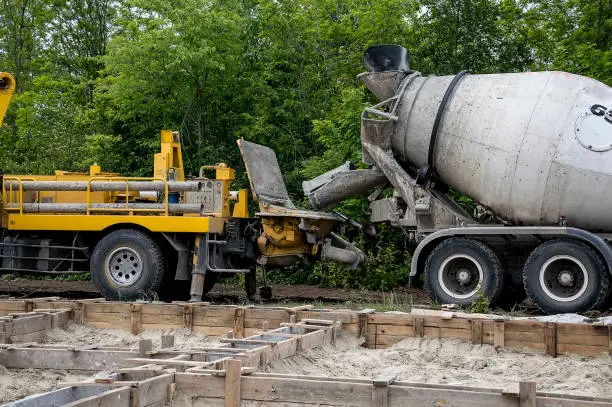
x,y
97,79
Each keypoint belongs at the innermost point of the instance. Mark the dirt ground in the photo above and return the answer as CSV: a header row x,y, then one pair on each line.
x,y
221,293
454,362
19,383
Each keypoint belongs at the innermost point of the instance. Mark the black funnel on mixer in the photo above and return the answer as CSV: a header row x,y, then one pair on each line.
x,y
381,58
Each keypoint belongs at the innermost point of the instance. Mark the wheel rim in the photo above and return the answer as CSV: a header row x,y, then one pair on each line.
x,y
123,266
564,278
460,276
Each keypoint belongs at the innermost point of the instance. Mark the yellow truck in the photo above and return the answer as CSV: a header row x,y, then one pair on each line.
x,y
138,236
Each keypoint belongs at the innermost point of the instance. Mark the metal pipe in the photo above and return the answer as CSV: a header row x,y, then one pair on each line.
x,y
173,186
110,207
344,184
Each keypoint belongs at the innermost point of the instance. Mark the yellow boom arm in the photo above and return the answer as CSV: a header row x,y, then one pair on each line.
x,y
7,87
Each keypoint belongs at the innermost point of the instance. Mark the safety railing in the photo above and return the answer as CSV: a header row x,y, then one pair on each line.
x,y
13,197
7,196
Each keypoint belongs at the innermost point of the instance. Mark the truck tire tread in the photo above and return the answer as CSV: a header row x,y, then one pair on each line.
x,y
599,299
495,288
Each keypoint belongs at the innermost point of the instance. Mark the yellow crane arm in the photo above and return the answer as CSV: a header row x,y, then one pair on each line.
x,y
7,87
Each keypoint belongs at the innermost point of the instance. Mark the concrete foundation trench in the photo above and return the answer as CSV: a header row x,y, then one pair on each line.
x,y
98,353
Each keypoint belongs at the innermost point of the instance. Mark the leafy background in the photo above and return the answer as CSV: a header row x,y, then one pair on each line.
x,y
98,79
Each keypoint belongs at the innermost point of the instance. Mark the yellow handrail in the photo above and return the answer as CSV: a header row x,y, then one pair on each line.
x,y
19,180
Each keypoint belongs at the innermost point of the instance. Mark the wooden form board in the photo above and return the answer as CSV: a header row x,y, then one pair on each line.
x,y
286,390
379,330
30,326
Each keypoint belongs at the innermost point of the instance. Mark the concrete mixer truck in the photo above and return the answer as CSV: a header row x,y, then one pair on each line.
x,y
533,150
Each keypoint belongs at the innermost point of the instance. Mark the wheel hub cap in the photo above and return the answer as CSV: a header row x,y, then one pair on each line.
x,y
460,276
563,278
123,266
566,278
464,276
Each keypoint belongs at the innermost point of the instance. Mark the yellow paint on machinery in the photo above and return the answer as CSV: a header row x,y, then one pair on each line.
x,y
168,163
168,166
7,87
94,223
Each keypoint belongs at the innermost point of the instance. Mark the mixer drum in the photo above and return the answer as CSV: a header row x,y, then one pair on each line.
x,y
534,147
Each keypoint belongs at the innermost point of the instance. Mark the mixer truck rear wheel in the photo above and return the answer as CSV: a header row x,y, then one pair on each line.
x,y
566,276
459,268
127,264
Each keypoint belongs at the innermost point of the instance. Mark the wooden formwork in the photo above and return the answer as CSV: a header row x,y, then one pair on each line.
x,y
379,330
146,377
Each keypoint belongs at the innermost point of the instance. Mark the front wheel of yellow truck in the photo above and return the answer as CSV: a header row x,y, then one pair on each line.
x,y
127,264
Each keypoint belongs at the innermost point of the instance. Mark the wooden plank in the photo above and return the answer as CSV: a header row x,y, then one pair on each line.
x,y
520,336
566,348
232,383
31,324
399,330
390,319
402,396
107,317
326,392
498,333
29,337
384,341
58,397
476,332
163,319
454,323
153,391
550,339
44,358
258,323
269,314
522,344
527,394
163,309
200,385
344,317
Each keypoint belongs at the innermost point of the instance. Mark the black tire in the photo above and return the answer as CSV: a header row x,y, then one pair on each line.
x,y
586,277
452,272
265,292
210,279
131,252
250,283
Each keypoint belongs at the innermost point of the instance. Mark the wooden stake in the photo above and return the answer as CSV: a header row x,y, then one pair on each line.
x,y
527,394
498,333
419,327
380,391
232,383
550,338
188,317
476,332
239,323
135,318
167,341
144,346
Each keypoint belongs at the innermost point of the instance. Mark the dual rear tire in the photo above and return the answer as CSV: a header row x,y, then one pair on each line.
x,y
560,276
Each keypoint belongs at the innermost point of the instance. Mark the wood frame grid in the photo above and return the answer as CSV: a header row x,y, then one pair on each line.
x,y
378,330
